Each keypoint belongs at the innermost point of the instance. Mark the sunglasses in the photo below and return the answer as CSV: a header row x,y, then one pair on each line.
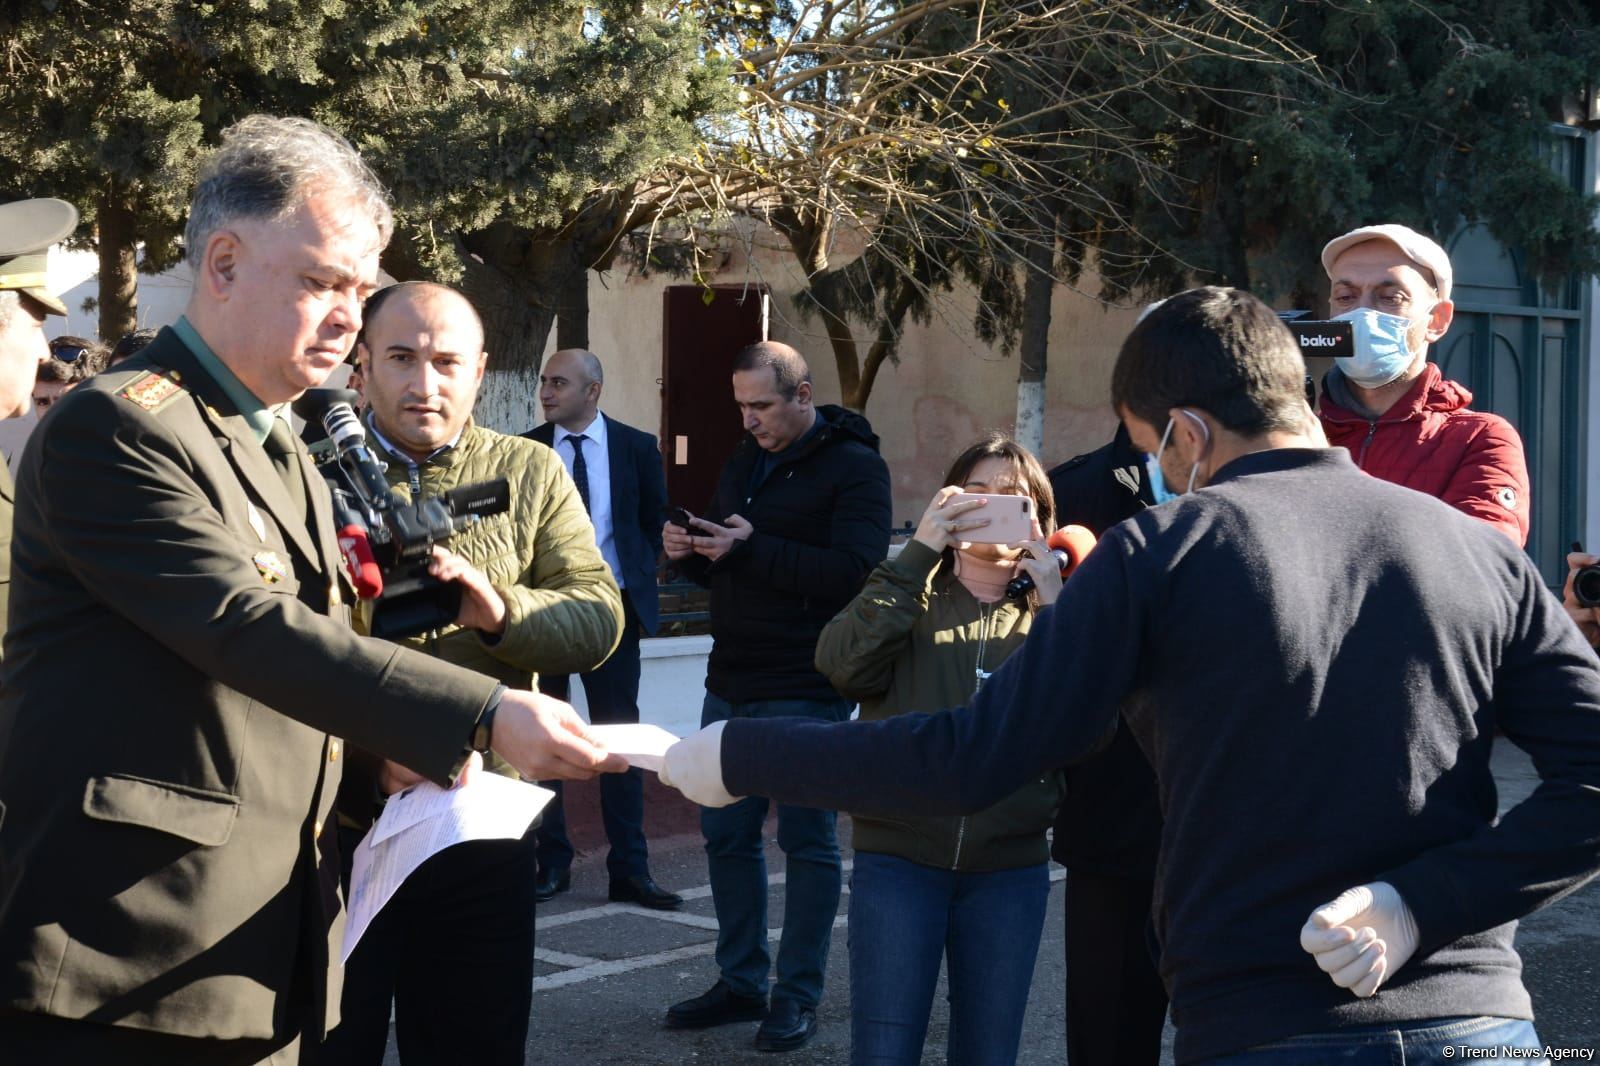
x,y
67,353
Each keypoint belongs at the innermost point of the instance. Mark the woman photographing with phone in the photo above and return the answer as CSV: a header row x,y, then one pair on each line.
x,y
926,630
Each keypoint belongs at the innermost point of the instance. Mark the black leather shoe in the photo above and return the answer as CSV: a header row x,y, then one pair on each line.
x,y
788,1026
646,893
551,883
720,1006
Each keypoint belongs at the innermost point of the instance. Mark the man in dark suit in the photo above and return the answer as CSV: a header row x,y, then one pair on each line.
x,y
168,873
618,472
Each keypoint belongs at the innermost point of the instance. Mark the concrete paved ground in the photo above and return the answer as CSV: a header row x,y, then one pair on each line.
x,y
607,972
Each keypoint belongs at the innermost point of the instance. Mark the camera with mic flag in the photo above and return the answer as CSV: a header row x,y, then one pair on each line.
x,y
1319,337
387,541
1068,545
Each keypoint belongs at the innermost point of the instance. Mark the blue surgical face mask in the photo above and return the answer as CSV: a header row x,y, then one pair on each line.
x,y
1152,465
1381,354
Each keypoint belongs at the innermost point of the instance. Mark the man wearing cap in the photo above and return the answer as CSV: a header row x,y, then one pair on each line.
x,y
27,230
1397,414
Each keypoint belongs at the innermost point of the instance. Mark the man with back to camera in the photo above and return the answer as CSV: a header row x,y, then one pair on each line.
x,y
1397,414
28,229
167,517
800,517
1353,895
456,940
618,473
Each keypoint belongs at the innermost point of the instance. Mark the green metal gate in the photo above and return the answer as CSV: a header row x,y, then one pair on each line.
x,y
1520,347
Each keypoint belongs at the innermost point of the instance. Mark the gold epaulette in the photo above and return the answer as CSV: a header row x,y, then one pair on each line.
x,y
152,390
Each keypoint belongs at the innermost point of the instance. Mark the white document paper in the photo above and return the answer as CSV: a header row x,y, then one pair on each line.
x,y
424,820
643,745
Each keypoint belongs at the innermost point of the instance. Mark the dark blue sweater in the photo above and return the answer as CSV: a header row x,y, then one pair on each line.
x,y
1321,660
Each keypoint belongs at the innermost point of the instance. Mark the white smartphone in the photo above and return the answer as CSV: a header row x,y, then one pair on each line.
x,y
1010,518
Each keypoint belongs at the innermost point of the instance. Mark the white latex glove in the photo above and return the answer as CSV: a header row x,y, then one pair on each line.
x,y
693,766
1362,937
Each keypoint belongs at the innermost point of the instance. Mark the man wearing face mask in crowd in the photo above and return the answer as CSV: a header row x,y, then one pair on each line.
x,y
1397,414
1317,664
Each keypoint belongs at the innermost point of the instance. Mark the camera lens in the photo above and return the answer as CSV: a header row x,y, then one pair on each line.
x,y
1586,586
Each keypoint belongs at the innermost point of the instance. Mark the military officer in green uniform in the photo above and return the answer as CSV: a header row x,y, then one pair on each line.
x,y
27,230
182,677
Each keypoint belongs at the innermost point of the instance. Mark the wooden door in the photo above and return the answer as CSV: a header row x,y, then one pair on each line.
x,y
704,328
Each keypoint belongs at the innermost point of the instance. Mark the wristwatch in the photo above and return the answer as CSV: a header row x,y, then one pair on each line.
x,y
483,732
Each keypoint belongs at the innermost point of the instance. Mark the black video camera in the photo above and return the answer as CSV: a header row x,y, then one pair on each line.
x,y
1586,586
1586,582
386,541
1319,337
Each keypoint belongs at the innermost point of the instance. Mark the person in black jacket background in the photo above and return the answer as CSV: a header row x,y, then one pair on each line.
x,y
800,517
1108,831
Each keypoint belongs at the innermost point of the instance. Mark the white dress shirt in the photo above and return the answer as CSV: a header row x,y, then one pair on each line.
x,y
597,456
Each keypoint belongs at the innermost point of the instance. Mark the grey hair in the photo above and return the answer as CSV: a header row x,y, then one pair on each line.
x,y
10,301
266,167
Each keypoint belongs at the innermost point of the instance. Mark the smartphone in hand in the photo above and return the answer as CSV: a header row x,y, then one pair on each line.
x,y
680,518
1010,518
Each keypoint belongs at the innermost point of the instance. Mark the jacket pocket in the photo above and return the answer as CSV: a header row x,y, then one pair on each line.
x,y
195,814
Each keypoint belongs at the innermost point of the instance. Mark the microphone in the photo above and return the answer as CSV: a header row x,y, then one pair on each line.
x,y
1068,545
360,562
331,409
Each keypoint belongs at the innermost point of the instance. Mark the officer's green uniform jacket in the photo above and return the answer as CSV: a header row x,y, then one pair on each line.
x,y
179,670
563,608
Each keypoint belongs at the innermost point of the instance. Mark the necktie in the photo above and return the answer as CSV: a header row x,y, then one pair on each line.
x,y
580,467
279,447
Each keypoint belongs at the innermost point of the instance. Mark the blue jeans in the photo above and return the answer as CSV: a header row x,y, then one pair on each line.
x,y
738,867
905,917
1410,1044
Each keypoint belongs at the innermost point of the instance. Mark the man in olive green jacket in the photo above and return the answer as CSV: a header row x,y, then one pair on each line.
x,y
181,673
456,941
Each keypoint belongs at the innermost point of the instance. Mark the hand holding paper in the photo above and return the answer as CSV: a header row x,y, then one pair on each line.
x,y
693,766
544,738
642,744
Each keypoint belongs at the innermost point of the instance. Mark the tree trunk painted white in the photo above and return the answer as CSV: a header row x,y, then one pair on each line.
x,y
508,401
1030,415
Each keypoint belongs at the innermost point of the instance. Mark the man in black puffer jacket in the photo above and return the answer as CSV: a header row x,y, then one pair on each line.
x,y
801,516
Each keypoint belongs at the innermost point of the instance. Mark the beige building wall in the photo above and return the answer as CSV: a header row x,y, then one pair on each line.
x,y
947,389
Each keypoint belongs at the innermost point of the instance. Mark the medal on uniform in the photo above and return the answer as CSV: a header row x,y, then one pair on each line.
x,y
272,568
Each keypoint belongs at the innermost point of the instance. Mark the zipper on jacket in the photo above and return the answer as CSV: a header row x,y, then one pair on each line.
x,y
1372,429
980,678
